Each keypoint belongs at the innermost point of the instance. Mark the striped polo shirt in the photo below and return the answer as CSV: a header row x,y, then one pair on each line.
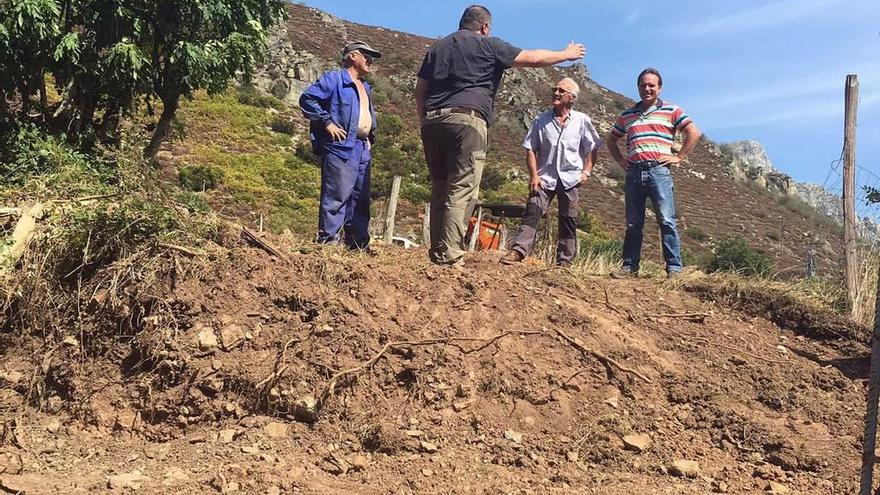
x,y
650,134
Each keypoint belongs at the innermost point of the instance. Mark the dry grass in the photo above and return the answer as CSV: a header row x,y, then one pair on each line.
x,y
866,298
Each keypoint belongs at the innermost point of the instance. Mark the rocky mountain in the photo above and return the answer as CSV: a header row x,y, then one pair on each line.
x,y
748,161
711,202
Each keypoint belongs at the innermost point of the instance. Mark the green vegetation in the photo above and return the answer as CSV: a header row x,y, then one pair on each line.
x,y
253,166
696,233
199,177
101,219
872,195
732,253
107,58
249,95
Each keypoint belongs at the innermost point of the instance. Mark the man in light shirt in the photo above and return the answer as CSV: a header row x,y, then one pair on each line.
x,y
343,125
561,148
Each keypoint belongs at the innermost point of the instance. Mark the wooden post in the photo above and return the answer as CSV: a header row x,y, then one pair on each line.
x,y
392,209
870,438
849,189
426,226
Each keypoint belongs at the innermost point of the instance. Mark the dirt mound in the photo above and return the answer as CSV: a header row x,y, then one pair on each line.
x,y
337,372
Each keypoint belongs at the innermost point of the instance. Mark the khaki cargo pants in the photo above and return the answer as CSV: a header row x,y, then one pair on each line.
x,y
455,149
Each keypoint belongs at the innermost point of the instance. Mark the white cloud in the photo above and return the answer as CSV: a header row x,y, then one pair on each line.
x,y
794,114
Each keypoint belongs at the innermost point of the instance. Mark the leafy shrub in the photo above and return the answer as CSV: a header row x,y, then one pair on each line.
x,y
732,253
27,151
389,125
590,224
303,151
616,173
249,95
283,125
194,202
200,177
696,233
493,178
609,248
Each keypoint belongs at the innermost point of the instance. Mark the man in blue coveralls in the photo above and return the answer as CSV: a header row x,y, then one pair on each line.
x,y
343,126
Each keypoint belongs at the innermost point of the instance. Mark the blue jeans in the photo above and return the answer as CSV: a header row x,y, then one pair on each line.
x,y
345,198
655,183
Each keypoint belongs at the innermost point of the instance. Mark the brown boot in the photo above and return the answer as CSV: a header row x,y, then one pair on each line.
x,y
512,257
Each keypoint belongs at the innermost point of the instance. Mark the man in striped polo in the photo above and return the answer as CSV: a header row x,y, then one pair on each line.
x,y
650,127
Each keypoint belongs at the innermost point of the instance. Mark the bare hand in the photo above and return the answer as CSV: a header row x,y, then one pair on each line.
x,y
584,177
575,51
669,160
534,184
336,132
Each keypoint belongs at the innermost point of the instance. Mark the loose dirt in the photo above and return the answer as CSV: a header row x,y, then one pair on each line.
x,y
337,372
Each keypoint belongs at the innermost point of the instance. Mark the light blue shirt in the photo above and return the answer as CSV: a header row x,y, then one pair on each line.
x,y
561,150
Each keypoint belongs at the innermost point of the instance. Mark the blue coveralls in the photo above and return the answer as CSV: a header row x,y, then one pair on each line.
x,y
345,165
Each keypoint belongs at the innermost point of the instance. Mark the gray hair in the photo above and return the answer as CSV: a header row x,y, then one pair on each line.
x,y
575,89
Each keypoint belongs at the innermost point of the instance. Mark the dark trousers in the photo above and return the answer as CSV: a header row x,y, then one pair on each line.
x,y
345,198
536,207
455,149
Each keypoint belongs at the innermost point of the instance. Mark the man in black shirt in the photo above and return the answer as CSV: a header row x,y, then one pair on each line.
x,y
455,95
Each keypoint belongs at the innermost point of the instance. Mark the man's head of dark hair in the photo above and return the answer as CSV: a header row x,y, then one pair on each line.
x,y
650,70
474,17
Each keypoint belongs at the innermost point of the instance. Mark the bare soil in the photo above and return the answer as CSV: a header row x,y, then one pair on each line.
x,y
338,372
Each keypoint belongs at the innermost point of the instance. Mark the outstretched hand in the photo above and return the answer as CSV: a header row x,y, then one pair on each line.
x,y
575,51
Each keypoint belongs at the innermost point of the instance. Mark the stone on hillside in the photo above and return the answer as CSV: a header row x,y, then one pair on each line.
x,y
130,480
513,436
275,430
428,447
775,488
637,443
685,468
175,476
207,340
53,426
360,463
226,436
306,409
23,485
231,336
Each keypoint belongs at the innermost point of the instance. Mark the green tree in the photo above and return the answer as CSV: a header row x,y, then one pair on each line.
x,y
107,56
872,195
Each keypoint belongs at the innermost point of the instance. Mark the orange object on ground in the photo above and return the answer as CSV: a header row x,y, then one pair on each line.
x,y
488,239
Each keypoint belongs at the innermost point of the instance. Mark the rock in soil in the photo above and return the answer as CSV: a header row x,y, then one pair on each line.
x,y
130,480
23,485
637,443
275,430
775,488
685,468
207,340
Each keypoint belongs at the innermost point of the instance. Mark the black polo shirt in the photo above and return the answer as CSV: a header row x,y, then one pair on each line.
x,y
465,69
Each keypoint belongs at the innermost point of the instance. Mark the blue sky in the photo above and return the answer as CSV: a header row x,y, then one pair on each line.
x,y
772,71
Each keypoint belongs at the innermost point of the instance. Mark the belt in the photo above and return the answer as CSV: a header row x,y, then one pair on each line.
x,y
443,111
646,165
